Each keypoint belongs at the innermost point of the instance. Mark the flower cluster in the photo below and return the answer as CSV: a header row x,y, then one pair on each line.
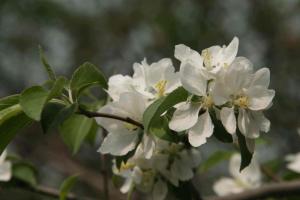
x,y
221,86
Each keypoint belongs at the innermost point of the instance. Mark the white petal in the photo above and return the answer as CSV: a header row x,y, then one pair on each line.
x,y
5,171
134,104
184,117
192,79
137,175
148,145
243,121
250,144
228,119
202,130
260,98
181,170
230,51
186,54
226,186
160,190
119,143
261,78
126,186
119,84
248,123
294,164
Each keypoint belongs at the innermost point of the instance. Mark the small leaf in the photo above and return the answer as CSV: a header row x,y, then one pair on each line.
x,y
32,101
48,68
66,186
74,131
214,159
9,101
85,76
92,135
10,127
246,155
25,172
160,128
156,109
54,115
57,88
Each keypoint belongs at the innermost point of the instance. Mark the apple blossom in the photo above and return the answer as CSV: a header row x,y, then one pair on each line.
x,y
123,136
249,178
241,90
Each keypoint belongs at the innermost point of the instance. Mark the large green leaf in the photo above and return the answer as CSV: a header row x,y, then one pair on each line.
x,y
86,75
10,127
214,159
160,128
9,112
9,101
32,101
66,186
156,109
48,68
74,131
54,115
246,155
220,132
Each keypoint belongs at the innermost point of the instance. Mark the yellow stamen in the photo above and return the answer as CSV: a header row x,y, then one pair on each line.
x,y
161,87
241,101
208,102
126,166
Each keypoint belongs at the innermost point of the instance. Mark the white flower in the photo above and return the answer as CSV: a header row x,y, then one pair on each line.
x,y
249,178
186,117
210,62
5,168
155,80
151,81
175,163
123,136
247,93
294,162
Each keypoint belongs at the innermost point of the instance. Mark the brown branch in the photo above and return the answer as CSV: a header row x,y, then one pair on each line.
x,y
111,116
267,172
51,192
104,172
281,189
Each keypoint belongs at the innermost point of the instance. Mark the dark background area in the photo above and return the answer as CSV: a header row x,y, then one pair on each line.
x,y
113,34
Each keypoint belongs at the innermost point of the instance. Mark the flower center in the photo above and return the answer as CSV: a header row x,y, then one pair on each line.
x,y
208,102
130,127
126,166
242,102
206,57
161,87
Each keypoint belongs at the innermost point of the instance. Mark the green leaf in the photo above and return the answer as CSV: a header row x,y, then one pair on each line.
x,y
66,186
85,76
54,115
25,172
214,159
48,68
57,88
9,112
10,127
9,101
220,132
246,155
160,128
156,109
32,101
74,131
92,135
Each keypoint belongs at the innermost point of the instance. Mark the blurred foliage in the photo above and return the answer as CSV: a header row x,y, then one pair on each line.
x,y
113,34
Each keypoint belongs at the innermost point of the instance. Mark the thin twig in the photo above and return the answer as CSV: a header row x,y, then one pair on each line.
x,y
111,116
281,189
270,174
51,192
104,172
